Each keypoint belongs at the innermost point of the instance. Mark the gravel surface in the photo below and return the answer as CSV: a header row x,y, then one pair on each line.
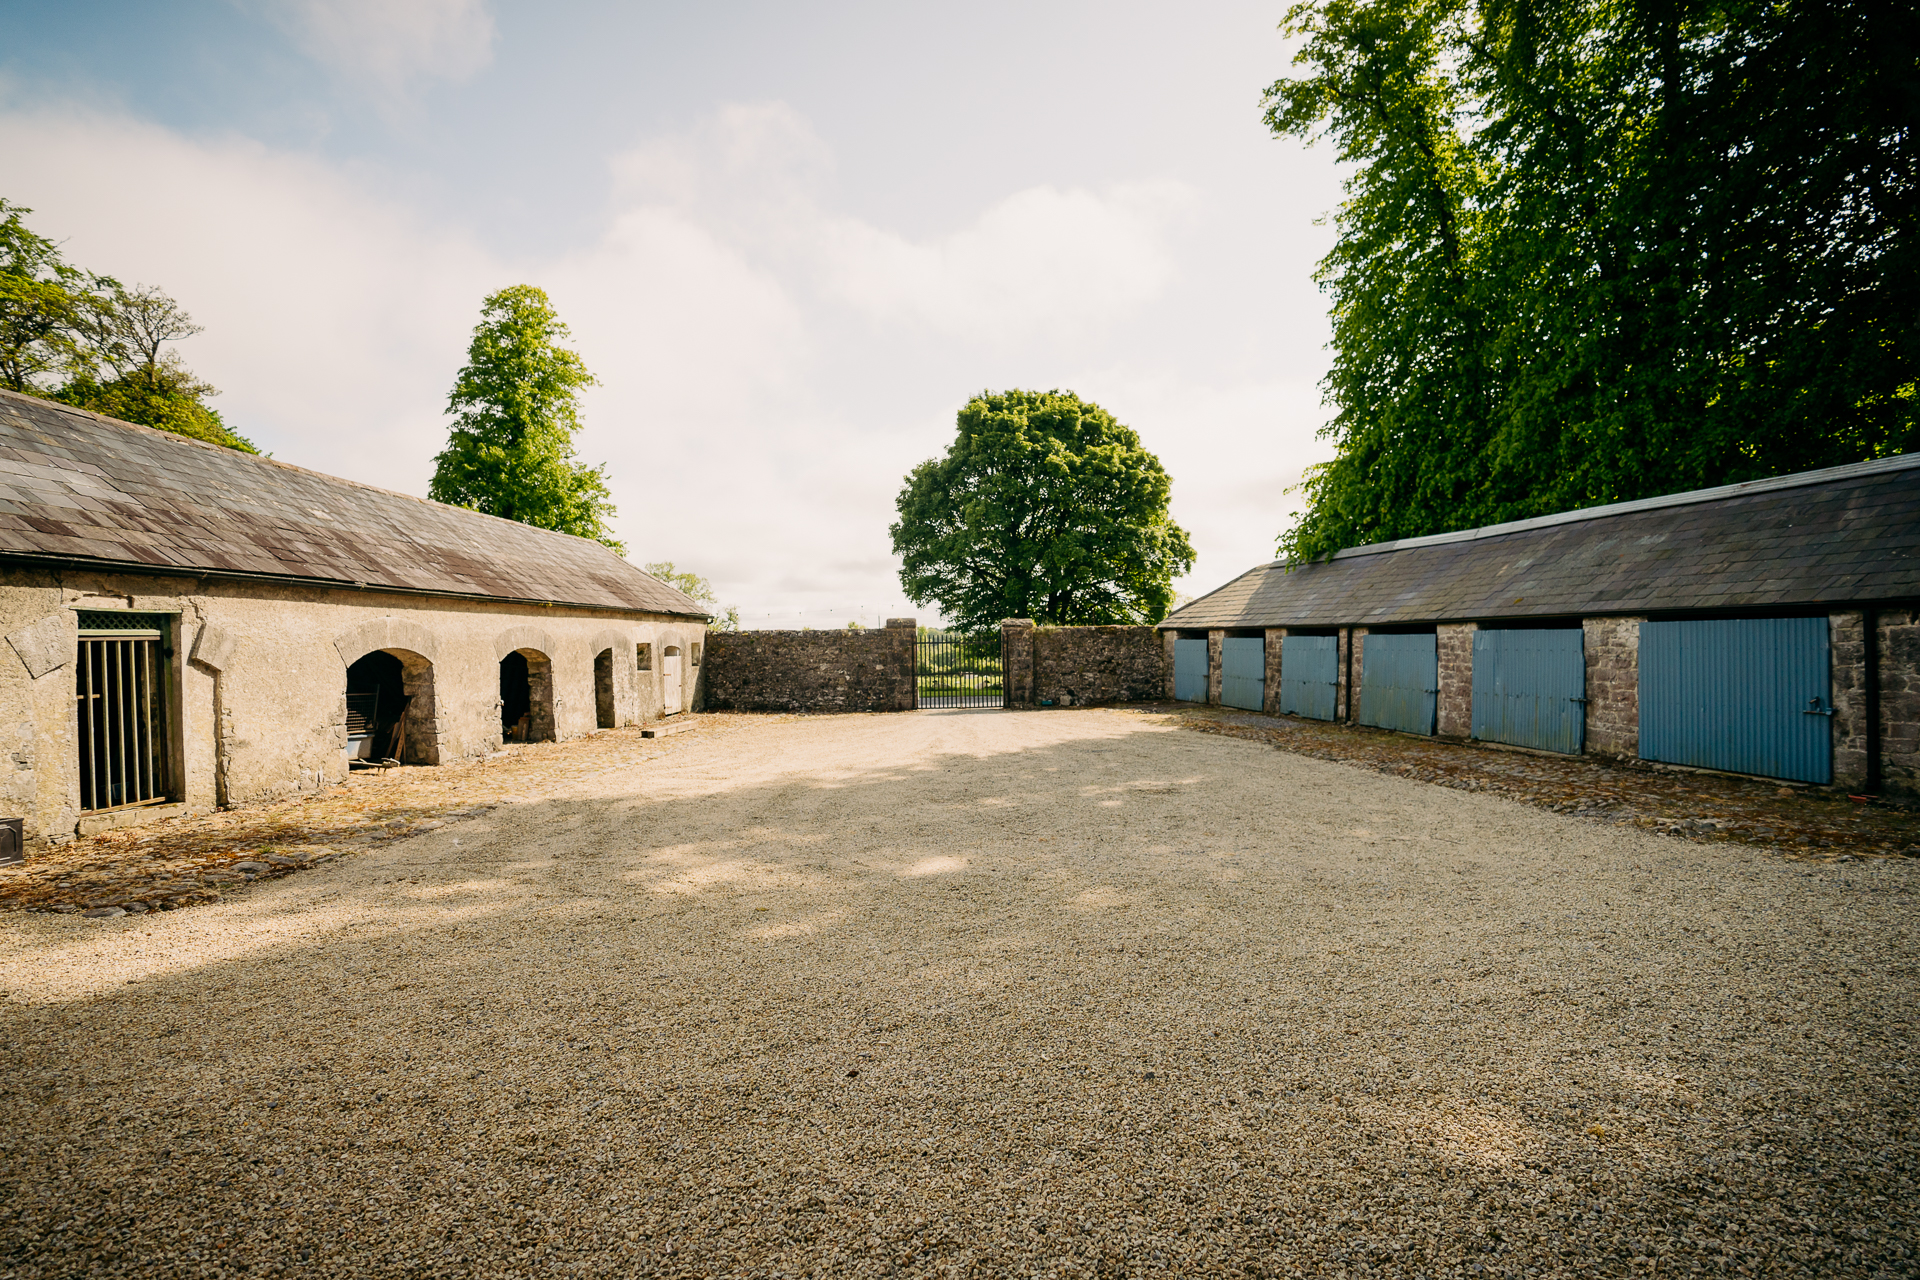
x,y
975,993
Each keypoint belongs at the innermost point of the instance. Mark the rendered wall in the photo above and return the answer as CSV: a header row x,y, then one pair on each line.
x,y
259,679
824,671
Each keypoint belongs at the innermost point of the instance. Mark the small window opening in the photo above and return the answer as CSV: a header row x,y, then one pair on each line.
x,y
603,690
696,655
643,656
122,696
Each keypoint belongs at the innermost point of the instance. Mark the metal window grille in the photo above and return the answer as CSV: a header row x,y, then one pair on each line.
x,y
120,694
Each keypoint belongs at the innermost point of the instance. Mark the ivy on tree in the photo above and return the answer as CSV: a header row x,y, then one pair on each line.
x,y
1044,507
1592,253
515,408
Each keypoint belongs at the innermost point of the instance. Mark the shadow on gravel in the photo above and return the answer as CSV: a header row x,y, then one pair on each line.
x,y
1143,1002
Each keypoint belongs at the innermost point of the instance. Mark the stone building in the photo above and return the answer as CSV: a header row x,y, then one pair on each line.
x,y
1770,628
187,627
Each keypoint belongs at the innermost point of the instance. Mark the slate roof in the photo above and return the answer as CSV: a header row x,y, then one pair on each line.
x,y
1844,535
79,488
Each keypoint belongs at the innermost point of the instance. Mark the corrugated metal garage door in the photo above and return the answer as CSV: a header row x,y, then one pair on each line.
x,y
1748,695
1190,670
1399,682
1530,688
1243,672
1309,675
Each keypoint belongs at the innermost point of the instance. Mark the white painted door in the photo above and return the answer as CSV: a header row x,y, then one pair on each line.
x,y
670,682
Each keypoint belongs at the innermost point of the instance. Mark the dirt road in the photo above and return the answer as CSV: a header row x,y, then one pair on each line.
x,y
977,993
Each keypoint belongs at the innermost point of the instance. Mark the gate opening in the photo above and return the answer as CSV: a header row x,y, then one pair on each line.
x,y
526,697
603,690
121,696
953,669
390,713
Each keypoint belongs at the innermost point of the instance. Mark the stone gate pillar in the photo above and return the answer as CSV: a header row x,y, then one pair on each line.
x,y
1016,660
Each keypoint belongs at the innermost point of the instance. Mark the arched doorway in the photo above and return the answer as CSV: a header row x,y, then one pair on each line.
x,y
526,697
603,712
670,683
390,708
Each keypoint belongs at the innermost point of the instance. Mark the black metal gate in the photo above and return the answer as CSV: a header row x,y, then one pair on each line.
x,y
956,670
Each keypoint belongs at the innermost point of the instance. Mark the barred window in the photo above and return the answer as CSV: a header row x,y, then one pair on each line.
x,y
122,695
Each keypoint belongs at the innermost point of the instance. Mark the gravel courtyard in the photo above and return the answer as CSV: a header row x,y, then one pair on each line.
x,y
1074,993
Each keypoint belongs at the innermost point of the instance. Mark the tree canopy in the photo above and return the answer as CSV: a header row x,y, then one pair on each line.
x,y
1044,507
516,408
1597,250
85,340
697,589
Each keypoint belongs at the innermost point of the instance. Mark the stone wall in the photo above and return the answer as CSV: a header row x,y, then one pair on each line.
x,y
1847,670
1216,640
870,670
1612,648
1453,705
1083,666
1275,647
1899,680
257,682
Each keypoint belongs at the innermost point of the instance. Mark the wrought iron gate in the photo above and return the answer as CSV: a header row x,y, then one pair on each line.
x,y
952,669
120,695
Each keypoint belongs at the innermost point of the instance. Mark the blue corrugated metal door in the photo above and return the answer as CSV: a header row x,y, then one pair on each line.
x,y
1243,672
1309,675
1530,688
1190,670
1745,695
1399,682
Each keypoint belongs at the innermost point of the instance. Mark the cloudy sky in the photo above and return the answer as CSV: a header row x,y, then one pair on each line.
x,y
791,241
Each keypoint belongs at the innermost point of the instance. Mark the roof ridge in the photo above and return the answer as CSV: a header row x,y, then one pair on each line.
x,y
1688,497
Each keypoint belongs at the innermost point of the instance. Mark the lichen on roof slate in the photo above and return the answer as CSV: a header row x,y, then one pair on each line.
x,y
77,486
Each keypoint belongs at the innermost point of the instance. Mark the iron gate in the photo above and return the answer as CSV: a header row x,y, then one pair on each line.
x,y
1530,688
1745,695
953,669
1399,682
1189,670
120,696
1309,676
1243,673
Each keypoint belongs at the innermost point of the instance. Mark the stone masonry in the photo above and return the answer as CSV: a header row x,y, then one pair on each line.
x,y
1091,666
1453,711
1215,642
825,671
1275,645
1612,648
1899,678
1847,668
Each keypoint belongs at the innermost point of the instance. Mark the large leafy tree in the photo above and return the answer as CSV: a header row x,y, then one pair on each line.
x,y
1044,507
70,335
1596,250
516,408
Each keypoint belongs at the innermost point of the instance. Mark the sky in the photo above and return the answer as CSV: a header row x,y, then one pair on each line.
x,y
791,241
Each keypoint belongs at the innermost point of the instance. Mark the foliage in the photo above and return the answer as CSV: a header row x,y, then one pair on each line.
x,y
1043,507
697,589
1607,250
85,340
516,408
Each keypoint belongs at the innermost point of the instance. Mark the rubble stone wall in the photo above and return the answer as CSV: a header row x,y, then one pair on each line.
x,y
1898,631
1847,670
1453,705
1276,643
825,671
1084,666
1612,648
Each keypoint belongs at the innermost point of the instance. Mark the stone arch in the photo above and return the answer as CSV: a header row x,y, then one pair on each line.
x,y
523,637
412,737
386,633
618,639
526,696
613,670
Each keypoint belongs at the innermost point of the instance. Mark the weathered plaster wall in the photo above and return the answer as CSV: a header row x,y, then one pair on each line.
x,y
812,670
1453,705
1612,647
1899,678
1091,666
260,680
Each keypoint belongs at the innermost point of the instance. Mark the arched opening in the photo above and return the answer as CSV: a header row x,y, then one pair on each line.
x,y
670,683
526,697
390,708
603,690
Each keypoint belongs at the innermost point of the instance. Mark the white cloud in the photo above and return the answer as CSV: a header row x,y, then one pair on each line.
x,y
771,366
391,45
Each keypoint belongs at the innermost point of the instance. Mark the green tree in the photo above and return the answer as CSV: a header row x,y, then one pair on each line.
x,y
697,589
43,307
1594,252
1044,507
516,408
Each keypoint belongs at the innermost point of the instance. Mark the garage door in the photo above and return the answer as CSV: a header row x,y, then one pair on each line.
x,y
1530,688
1746,695
1190,670
1399,682
1309,675
1243,672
